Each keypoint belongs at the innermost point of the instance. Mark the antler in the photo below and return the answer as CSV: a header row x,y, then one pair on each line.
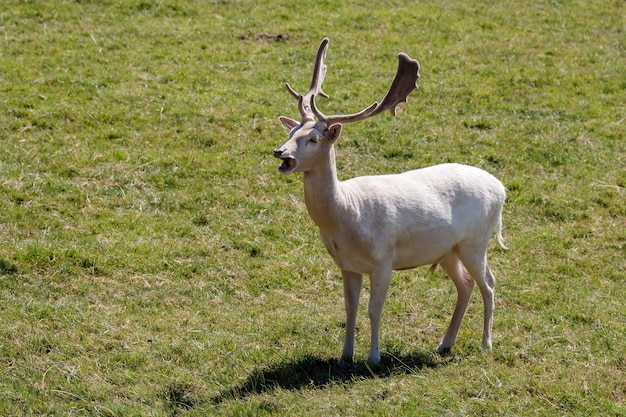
x,y
403,84
319,72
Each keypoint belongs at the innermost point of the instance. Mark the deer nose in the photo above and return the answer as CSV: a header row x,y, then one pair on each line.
x,y
278,152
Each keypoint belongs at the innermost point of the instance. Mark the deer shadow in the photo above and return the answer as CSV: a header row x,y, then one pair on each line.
x,y
314,372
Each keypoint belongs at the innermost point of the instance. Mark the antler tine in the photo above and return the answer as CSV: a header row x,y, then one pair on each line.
x,y
403,84
293,92
319,72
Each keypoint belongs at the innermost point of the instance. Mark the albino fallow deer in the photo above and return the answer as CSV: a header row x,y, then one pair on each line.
x,y
441,215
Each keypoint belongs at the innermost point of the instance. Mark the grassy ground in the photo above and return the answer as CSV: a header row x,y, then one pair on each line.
x,y
153,262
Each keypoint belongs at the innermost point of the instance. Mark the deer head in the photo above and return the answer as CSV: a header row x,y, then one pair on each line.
x,y
316,133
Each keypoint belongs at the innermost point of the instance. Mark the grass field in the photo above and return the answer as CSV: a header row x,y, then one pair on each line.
x,y
153,262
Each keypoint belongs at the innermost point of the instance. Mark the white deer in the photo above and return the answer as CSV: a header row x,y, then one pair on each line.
x,y
440,215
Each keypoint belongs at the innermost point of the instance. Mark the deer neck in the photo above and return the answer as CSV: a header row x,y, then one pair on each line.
x,y
323,194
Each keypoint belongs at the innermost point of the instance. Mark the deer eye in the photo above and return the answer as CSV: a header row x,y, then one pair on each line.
x,y
313,139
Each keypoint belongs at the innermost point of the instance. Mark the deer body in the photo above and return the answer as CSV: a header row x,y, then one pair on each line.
x,y
410,219
440,215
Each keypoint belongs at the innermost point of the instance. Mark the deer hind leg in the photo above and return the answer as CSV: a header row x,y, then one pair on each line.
x,y
464,286
475,261
352,283
488,299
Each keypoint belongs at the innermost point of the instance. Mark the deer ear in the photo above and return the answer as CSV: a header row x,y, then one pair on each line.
x,y
333,132
288,123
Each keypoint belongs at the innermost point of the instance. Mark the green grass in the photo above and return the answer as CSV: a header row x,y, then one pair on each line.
x,y
153,262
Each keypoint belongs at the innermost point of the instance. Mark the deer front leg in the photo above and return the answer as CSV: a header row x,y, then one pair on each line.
x,y
380,280
352,283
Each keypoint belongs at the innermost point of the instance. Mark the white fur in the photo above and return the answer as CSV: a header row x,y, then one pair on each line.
x,y
442,215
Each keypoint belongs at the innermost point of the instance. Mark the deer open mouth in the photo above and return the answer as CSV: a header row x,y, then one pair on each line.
x,y
288,165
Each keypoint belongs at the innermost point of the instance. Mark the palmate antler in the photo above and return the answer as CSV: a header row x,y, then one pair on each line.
x,y
404,82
